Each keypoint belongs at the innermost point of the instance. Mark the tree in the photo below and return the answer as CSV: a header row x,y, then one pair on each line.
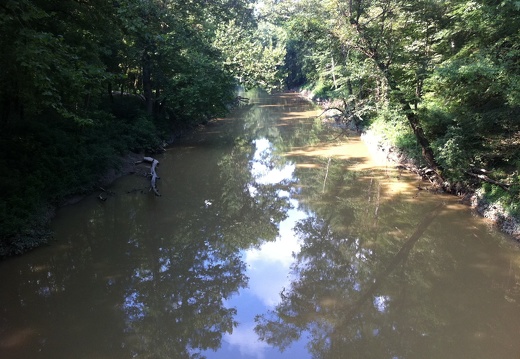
x,y
52,64
254,56
472,96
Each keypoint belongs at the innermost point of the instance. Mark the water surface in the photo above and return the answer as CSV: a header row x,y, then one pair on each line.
x,y
275,237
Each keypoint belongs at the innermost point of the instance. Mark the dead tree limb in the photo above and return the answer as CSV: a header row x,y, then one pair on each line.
x,y
481,176
153,173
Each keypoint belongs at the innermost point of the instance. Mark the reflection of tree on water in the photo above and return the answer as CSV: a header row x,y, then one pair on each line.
x,y
174,303
335,298
343,297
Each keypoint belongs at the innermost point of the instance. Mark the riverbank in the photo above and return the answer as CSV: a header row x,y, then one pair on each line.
x,y
63,166
474,198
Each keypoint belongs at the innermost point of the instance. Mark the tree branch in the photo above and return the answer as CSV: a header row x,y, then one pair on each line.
x,y
481,176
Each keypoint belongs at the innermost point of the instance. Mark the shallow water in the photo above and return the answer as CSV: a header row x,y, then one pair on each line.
x,y
273,232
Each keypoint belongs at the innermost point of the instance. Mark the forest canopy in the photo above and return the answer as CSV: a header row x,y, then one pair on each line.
x,y
86,81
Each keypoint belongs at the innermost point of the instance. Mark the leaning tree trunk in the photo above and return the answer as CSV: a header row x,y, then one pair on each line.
x,y
426,149
418,131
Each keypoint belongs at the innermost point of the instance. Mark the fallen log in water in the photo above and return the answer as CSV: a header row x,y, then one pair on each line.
x,y
153,173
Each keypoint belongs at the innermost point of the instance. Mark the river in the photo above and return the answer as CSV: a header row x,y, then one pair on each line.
x,y
275,236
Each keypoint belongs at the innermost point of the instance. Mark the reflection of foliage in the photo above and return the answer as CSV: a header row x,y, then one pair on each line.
x,y
242,215
337,298
176,301
353,276
175,305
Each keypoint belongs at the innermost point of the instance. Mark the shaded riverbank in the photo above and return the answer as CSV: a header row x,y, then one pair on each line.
x,y
475,198
75,162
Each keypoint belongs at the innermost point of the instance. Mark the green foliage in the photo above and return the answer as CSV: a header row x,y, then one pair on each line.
x,y
84,83
453,152
254,56
391,125
320,90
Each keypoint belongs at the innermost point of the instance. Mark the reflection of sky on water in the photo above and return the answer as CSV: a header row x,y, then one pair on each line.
x,y
381,303
268,269
269,266
261,166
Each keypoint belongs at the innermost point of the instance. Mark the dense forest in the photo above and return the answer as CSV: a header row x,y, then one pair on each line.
x,y
85,82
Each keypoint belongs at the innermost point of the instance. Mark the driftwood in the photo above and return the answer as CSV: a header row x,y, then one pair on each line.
x,y
153,173
103,196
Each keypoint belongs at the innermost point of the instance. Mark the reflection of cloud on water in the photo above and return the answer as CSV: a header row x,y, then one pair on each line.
x,y
274,175
381,303
269,266
262,169
245,338
269,273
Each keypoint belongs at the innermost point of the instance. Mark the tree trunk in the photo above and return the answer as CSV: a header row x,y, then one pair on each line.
x,y
418,131
427,151
147,83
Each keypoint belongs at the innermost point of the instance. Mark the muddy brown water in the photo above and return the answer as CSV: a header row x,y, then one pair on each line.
x,y
274,237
